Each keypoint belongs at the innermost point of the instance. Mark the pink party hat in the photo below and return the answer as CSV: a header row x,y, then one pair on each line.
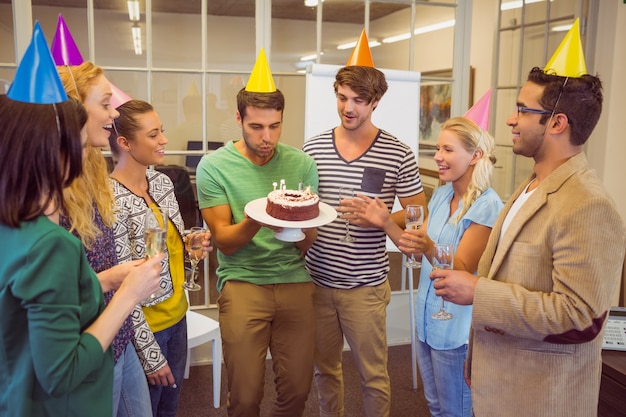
x,y
361,55
569,59
36,78
119,97
63,48
479,113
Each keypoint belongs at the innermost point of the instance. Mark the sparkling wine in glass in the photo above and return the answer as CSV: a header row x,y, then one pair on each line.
x,y
346,193
155,237
413,219
442,258
193,245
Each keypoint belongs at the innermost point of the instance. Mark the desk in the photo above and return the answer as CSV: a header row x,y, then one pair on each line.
x,y
202,329
613,386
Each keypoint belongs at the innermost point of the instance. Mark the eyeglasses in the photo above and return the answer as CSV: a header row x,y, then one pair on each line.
x,y
522,109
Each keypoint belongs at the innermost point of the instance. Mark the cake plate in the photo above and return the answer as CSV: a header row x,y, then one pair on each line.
x,y
292,231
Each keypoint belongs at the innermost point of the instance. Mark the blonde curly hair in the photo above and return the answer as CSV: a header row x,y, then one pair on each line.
x,y
92,188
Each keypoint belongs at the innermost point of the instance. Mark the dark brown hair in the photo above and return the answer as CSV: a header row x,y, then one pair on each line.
x,y
127,123
368,82
271,101
580,101
40,154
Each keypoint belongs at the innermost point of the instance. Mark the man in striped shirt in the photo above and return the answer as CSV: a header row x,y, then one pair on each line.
x,y
352,291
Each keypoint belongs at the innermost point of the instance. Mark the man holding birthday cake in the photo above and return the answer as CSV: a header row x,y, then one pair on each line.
x,y
266,294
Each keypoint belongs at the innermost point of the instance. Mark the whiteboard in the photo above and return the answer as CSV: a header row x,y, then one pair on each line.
x,y
397,112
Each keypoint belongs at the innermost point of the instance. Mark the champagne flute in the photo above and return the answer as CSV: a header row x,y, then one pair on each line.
x,y
155,230
193,244
413,218
346,193
442,258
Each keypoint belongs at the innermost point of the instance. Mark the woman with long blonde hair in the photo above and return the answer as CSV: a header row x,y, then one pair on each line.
x,y
89,213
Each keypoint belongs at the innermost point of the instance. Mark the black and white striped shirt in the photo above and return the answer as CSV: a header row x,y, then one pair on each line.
x,y
388,168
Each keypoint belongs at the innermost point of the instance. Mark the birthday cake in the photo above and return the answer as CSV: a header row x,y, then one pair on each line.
x,y
293,205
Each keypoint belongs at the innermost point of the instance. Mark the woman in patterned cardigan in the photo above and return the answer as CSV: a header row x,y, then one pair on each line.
x,y
139,143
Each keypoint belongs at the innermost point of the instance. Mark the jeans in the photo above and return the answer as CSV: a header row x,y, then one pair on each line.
x,y
445,390
130,388
173,343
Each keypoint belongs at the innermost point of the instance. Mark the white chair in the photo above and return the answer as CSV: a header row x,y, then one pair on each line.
x,y
201,329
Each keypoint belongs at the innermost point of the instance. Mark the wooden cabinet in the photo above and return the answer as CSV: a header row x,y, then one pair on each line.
x,y
613,386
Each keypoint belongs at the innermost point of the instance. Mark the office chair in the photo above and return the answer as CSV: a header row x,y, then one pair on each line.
x,y
185,193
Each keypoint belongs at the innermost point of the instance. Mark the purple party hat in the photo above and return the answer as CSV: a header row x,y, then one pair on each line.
x,y
63,48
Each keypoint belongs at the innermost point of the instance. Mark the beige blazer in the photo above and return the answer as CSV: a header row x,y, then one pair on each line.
x,y
542,299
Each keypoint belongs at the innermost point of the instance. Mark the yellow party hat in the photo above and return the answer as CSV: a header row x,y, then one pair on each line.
x,y
361,55
568,60
261,80
193,89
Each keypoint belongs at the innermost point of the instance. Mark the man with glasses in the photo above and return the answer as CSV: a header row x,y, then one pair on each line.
x,y
551,267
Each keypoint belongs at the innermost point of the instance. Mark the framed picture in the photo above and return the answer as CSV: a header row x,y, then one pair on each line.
x,y
435,99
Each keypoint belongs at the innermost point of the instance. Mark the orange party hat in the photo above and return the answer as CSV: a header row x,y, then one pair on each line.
x,y
361,55
261,80
568,60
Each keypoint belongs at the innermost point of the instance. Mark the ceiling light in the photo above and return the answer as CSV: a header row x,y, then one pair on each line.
x,y
562,28
420,31
517,4
133,10
311,3
136,33
351,45
310,57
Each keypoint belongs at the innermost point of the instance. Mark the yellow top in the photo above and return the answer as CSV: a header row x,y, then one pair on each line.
x,y
166,314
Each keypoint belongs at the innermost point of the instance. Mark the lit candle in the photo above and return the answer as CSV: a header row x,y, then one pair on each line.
x,y
300,186
308,189
282,185
275,184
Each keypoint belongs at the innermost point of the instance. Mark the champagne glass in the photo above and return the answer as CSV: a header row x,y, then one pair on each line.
x,y
442,258
193,244
155,229
413,219
346,193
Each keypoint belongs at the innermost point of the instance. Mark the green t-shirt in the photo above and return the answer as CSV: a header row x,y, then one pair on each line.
x,y
227,177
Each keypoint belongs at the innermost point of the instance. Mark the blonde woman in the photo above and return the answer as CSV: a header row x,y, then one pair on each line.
x,y
461,213
89,214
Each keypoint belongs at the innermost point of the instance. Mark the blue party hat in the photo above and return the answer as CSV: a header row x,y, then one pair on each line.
x,y
36,79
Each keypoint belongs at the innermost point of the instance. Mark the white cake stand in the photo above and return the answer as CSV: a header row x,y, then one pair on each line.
x,y
292,231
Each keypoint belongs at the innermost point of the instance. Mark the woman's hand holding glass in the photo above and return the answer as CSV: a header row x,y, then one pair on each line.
x,y
143,279
197,244
415,242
